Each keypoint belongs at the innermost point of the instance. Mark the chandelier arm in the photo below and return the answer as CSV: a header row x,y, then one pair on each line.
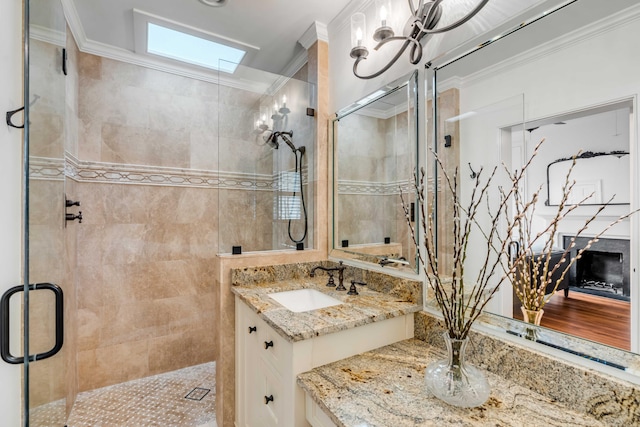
x,y
434,14
460,21
417,47
383,69
414,12
388,39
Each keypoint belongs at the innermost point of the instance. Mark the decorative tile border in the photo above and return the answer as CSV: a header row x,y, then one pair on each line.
x,y
117,173
374,188
45,168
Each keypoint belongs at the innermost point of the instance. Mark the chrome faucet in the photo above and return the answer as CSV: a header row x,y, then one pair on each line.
x,y
340,269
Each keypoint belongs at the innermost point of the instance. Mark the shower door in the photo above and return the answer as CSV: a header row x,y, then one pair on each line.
x,y
46,369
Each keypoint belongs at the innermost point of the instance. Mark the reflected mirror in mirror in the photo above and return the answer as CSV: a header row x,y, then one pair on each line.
x,y
375,155
548,64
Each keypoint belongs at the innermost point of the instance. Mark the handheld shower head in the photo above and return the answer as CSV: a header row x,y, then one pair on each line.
x,y
285,137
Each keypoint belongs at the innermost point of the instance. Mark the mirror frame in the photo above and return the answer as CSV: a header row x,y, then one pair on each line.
x,y
585,155
413,101
625,363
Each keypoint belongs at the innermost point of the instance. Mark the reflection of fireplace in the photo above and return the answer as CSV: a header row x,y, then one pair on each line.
x,y
603,269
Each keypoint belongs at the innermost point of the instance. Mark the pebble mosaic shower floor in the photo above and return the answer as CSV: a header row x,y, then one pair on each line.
x,y
182,398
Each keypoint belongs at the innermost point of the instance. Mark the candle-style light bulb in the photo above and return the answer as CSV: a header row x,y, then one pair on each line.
x,y
384,31
264,118
383,16
358,31
284,110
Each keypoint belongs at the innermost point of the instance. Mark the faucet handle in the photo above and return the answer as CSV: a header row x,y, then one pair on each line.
x,y
352,289
331,283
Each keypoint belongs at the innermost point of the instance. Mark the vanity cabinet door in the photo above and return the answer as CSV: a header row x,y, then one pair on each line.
x,y
260,393
267,397
246,351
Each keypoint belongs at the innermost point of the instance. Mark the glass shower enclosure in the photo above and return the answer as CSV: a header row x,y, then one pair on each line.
x,y
266,152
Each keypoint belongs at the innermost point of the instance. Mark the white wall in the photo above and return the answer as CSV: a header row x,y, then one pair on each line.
x,y
603,132
10,182
594,71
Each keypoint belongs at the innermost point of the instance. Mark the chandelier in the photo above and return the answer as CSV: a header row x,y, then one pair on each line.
x,y
423,21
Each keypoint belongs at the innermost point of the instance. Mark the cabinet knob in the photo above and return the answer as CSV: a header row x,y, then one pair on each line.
x,y
253,329
268,399
268,344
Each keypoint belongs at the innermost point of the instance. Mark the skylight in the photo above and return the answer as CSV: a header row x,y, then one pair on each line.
x,y
194,50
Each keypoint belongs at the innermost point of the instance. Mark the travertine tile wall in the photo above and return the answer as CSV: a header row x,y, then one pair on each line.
x,y
50,379
317,72
145,252
145,281
145,269
282,163
71,232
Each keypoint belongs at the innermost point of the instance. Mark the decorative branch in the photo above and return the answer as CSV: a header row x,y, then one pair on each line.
x,y
460,304
510,219
531,273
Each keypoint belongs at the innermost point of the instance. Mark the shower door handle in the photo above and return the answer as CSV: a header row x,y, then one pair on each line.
x,y
5,351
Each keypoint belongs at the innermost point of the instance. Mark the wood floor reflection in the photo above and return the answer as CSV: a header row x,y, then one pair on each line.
x,y
595,318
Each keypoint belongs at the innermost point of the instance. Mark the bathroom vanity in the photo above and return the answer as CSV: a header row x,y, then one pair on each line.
x,y
275,344
385,387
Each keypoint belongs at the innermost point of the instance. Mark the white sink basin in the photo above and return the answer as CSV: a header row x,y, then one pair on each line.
x,y
304,300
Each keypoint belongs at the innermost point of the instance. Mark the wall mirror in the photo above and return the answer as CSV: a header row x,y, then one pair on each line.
x,y
540,81
374,158
604,175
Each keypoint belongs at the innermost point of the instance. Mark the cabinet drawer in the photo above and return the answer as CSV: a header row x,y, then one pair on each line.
x,y
272,348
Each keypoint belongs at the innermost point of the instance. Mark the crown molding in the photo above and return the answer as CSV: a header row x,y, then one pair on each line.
x,y
86,45
577,36
377,113
343,19
296,63
47,35
106,51
317,31
454,82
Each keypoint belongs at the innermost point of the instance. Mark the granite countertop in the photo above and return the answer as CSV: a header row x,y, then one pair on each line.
x,y
385,387
367,307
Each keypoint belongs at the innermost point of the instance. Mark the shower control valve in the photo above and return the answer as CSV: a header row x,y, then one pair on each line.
x,y
72,217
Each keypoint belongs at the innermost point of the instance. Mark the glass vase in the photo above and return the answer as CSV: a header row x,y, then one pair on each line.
x,y
453,380
531,317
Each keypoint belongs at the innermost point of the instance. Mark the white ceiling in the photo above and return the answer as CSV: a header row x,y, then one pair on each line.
x,y
275,26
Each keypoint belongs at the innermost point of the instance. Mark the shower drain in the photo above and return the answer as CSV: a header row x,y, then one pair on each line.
x,y
197,393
